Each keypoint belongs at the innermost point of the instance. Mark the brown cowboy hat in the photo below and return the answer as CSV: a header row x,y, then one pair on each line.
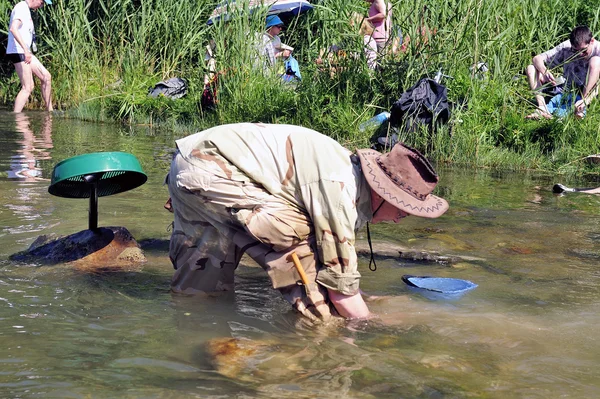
x,y
404,178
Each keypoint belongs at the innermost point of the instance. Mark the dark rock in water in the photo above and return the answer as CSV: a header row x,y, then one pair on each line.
x,y
423,256
594,236
518,250
386,250
584,253
108,247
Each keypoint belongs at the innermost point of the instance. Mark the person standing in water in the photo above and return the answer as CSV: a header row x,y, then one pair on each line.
x,y
21,42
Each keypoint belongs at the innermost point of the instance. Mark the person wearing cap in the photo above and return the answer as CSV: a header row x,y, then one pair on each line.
x,y
270,47
273,190
580,58
21,40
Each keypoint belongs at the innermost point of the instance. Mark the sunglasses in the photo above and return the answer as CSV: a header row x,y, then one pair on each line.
x,y
580,50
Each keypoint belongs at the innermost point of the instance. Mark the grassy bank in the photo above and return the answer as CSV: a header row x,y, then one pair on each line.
x,y
105,54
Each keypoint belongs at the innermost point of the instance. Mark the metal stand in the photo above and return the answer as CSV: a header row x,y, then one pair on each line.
x,y
92,181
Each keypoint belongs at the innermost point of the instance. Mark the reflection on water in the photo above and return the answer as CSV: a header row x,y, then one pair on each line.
x,y
24,165
27,145
528,329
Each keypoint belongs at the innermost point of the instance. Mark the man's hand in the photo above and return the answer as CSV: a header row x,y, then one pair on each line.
x,y
580,108
169,205
547,77
283,54
27,55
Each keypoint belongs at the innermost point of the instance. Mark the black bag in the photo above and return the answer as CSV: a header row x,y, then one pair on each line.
x,y
173,88
426,103
209,96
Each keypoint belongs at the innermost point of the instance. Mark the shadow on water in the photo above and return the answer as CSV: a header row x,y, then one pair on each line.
x,y
127,284
155,246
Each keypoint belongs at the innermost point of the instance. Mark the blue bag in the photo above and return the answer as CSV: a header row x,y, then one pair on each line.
x,y
292,70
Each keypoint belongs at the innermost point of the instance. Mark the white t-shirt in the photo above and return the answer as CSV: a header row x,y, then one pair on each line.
x,y
21,11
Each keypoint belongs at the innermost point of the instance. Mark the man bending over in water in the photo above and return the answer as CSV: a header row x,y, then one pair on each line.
x,y
273,190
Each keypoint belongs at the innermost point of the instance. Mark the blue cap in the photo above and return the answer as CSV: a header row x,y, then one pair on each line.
x,y
48,2
273,20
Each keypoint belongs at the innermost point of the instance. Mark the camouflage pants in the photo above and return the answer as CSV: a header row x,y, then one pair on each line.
x,y
217,220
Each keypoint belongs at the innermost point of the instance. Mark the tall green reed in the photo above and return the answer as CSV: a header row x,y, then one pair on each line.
x,y
112,51
105,54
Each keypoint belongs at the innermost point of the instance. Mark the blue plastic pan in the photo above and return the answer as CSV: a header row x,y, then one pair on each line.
x,y
436,288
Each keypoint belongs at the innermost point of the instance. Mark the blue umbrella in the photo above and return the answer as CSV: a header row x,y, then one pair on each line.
x,y
229,8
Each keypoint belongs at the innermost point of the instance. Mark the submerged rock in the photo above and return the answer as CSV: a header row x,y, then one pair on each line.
x,y
108,247
230,356
387,250
424,256
584,253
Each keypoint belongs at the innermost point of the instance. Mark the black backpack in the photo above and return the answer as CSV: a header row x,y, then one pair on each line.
x,y
173,88
426,103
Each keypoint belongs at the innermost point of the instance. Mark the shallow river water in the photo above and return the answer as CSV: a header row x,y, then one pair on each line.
x,y
529,330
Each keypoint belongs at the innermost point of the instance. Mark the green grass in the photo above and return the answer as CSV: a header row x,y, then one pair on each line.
x,y
104,55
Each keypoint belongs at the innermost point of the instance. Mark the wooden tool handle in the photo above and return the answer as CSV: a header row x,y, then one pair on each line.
x,y
300,269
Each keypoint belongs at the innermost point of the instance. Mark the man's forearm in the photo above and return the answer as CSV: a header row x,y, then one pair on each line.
x,y
539,64
589,96
349,306
376,17
591,87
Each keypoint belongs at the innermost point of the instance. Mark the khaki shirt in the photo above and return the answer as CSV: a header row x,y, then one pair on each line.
x,y
310,171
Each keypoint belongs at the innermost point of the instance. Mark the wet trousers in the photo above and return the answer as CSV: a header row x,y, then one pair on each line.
x,y
218,219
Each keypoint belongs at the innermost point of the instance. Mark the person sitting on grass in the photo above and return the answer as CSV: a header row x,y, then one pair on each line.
x,y
401,43
270,46
580,58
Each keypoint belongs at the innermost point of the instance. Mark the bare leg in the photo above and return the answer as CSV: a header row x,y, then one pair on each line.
x,y
560,188
591,191
535,83
26,78
591,88
592,79
46,81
